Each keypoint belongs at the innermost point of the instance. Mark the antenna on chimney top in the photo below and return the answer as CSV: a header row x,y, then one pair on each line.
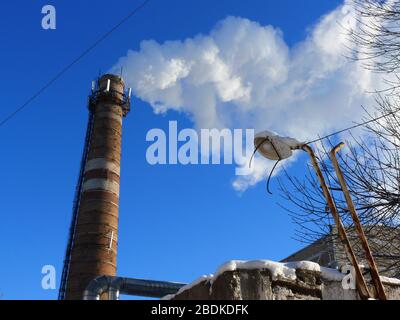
x,y
129,93
108,85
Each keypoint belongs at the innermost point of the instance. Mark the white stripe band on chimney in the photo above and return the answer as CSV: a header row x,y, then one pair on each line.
x,y
101,184
102,163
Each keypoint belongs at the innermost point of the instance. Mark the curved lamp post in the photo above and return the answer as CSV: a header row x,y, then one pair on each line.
x,y
274,147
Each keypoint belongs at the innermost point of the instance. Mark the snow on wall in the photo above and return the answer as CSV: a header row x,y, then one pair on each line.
x,y
390,280
280,270
287,271
196,282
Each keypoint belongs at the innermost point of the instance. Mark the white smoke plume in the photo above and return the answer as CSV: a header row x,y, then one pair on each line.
x,y
244,75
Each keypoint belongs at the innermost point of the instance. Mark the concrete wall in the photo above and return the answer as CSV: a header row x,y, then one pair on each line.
x,y
303,282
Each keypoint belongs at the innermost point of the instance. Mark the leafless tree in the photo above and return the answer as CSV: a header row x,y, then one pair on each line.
x,y
377,38
372,164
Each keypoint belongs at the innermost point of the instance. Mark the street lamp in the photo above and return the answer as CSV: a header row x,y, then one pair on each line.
x,y
274,147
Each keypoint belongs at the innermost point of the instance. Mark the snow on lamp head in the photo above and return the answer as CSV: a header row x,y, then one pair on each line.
x,y
275,147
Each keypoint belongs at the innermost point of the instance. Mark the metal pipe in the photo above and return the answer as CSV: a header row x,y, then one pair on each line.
x,y
114,286
380,290
361,284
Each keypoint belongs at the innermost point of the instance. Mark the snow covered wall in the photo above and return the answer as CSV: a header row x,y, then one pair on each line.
x,y
268,280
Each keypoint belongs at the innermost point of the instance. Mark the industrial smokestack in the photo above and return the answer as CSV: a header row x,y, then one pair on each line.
x,y
94,235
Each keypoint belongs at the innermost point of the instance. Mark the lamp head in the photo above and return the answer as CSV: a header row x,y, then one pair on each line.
x,y
274,147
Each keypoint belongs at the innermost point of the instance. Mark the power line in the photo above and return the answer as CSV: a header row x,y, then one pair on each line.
x,y
354,127
75,61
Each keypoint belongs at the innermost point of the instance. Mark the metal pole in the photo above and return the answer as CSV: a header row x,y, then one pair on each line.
x,y
380,290
360,281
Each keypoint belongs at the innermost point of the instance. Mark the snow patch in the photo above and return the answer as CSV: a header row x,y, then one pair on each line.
x,y
390,280
277,269
196,282
331,274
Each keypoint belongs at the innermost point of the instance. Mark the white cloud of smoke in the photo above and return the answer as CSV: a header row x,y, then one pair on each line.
x,y
244,75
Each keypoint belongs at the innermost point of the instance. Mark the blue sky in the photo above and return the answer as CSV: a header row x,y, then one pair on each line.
x,y
176,222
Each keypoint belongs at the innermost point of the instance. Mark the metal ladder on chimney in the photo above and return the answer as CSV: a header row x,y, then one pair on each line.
x,y
75,209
